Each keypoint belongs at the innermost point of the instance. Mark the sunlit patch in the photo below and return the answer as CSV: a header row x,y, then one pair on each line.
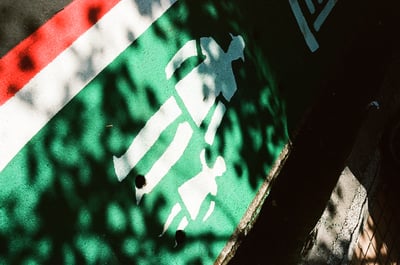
x,y
44,248
211,10
84,219
26,207
256,136
130,246
116,218
68,255
137,222
93,248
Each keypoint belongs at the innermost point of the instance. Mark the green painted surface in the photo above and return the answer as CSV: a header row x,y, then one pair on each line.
x,y
61,201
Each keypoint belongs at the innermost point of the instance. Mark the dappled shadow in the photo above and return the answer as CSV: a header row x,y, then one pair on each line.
x,y
321,151
378,238
63,203
61,200
20,19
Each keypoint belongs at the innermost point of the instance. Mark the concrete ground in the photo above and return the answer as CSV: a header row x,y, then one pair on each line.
x,y
378,239
360,222
341,131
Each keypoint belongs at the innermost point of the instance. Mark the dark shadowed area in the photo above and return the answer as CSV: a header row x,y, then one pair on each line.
x,y
63,202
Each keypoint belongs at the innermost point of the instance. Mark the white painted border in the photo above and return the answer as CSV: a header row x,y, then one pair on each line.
x,y
50,90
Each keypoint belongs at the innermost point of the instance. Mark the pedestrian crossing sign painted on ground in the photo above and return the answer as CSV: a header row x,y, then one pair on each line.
x,y
142,137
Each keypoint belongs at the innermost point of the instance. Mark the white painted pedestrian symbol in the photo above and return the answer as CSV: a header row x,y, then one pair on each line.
x,y
325,7
198,91
194,191
213,76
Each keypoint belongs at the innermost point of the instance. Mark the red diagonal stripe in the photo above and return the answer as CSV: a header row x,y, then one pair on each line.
x,y
31,55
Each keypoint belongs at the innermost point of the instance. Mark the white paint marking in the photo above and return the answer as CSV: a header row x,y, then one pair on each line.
x,y
199,88
194,191
163,165
146,138
215,123
188,50
310,6
304,28
302,22
324,14
183,223
22,116
210,211
174,211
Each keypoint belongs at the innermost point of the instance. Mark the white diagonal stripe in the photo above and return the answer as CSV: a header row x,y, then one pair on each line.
x,y
146,138
50,90
167,160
